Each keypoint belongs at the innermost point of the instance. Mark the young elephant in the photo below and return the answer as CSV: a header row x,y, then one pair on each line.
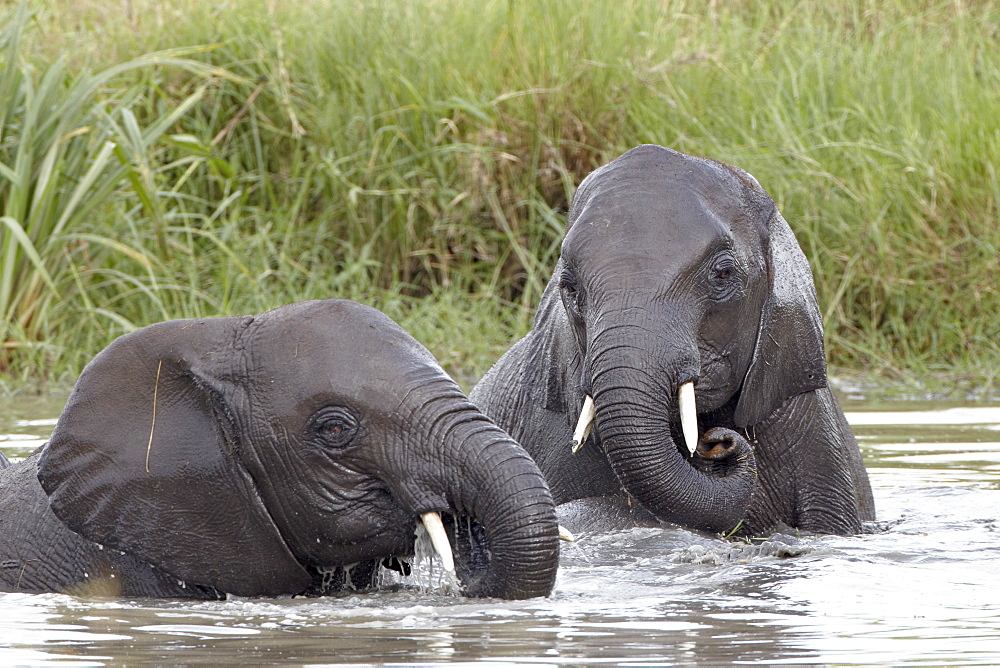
x,y
679,277
288,453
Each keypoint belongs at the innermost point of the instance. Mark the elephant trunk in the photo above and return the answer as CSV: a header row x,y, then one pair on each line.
x,y
636,417
504,534
519,518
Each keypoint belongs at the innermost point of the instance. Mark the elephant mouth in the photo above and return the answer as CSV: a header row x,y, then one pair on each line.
x,y
459,544
471,549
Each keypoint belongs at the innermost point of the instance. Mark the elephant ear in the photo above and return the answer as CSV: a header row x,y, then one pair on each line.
x,y
788,359
553,363
145,459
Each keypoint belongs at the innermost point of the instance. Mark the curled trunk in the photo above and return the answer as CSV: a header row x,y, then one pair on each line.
x,y
636,418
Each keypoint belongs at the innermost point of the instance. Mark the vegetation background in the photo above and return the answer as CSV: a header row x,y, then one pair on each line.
x,y
179,158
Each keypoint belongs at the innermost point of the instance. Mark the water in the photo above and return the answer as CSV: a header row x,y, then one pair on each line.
x,y
924,590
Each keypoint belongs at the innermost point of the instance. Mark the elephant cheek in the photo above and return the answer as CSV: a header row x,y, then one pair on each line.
x,y
716,387
348,543
349,530
721,375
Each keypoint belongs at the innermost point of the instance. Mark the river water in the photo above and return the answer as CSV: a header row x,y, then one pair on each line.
x,y
923,589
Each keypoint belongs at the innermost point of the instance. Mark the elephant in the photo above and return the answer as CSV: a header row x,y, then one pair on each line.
x,y
681,299
291,453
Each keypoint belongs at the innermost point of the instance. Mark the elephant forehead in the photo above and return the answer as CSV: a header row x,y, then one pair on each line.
x,y
654,171
662,210
651,228
338,330
355,352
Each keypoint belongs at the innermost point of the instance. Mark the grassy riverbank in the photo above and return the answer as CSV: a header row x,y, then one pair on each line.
x,y
181,158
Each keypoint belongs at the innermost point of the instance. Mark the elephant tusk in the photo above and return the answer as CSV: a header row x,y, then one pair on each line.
x,y
689,415
439,539
585,424
565,535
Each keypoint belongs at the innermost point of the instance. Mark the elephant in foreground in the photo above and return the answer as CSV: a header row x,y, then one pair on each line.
x,y
290,453
679,346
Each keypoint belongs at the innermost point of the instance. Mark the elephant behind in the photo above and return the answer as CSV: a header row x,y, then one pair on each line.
x,y
681,298
290,453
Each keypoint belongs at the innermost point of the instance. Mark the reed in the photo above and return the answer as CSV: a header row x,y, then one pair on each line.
x,y
420,156
67,151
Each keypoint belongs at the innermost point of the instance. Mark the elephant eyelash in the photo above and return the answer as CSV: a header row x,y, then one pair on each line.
x,y
725,276
333,427
724,273
570,288
567,281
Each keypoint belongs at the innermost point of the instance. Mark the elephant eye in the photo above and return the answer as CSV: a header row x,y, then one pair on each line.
x,y
332,428
724,277
572,297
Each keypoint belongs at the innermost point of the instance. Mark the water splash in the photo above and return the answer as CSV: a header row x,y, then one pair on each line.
x,y
426,572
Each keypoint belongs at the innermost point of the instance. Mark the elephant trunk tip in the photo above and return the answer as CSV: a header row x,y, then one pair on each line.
x,y
488,565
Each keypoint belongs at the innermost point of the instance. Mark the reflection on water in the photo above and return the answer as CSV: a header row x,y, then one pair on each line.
x,y
923,590
25,423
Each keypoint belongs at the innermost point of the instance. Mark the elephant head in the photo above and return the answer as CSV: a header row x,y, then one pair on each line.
x,y
256,455
681,302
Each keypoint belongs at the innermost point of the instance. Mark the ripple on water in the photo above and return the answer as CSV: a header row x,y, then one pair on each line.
x,y
918,591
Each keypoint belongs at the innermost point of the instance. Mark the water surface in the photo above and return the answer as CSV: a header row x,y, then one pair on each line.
x,y
923,589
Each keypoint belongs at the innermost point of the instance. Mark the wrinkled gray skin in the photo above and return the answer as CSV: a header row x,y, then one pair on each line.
x,y
676,268
263,456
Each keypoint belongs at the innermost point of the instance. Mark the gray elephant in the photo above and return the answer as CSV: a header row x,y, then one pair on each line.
x,y
290,453
678,279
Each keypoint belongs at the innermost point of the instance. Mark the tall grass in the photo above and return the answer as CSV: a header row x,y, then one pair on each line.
x,y
420,156
65,154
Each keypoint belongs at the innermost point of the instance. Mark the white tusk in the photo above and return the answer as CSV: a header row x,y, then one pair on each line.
x,y
585,424
439,539
565,535
689,415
